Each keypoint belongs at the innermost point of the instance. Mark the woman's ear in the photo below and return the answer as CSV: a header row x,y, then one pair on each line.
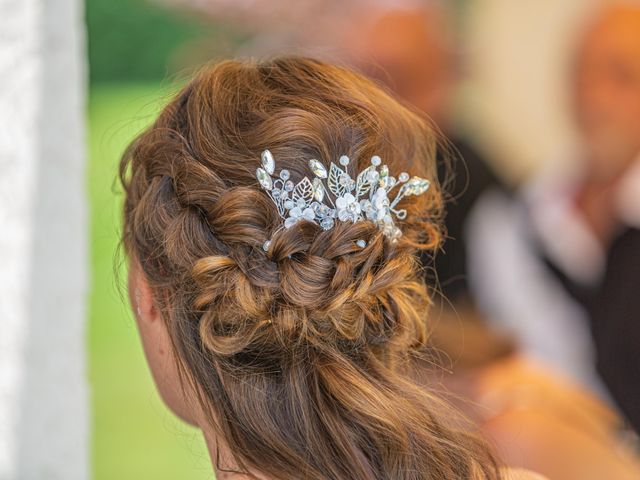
x,y
157,345
140,295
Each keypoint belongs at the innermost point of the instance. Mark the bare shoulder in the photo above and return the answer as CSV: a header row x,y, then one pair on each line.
x,y
518,474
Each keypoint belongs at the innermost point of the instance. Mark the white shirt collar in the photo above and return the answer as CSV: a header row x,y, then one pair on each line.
x,y
563,231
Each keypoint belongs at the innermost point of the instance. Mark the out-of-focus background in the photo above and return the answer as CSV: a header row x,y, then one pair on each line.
x,y
501,79
511,102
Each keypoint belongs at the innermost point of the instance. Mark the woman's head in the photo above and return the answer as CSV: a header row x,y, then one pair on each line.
x,y
294,357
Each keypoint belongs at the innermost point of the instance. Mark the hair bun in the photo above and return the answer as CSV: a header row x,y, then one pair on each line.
x,y
311,285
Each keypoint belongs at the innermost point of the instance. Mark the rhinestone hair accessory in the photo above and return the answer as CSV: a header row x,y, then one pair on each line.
x,y
344,199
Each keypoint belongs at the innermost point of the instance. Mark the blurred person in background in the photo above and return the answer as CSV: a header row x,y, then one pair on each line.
x,y
569,432
561,270
413,51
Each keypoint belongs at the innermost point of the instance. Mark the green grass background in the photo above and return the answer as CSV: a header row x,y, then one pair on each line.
x,y
134,435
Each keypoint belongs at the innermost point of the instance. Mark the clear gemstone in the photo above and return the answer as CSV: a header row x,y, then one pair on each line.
x,y
421,185
276,192
344,215
264,178
268,162
415,186
376,160
344,180
289,222
361,243
317,168
341,203
266,245
371,213
308,214
318,189
289,186
301,203
403,177
295,212
284,174
288,204
324,211
372,176
326,223
344,160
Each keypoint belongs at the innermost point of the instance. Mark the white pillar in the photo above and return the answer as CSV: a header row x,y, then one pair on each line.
x,y
43,241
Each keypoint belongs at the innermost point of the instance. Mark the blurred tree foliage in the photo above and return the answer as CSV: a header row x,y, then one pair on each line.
x,y
132,40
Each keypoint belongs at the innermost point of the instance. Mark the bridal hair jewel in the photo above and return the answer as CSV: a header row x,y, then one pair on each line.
x,y
365,198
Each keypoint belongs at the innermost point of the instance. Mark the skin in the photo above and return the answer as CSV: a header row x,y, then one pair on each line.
x,y
156,344
558,415
606,108
411,51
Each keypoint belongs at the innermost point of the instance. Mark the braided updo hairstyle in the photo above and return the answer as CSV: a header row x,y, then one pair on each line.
x,y
299,355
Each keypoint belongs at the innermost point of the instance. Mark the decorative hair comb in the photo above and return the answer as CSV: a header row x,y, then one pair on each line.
x,y
365,198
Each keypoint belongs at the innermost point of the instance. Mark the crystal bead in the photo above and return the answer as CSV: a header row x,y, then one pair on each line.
x,y
276,192
289,186
308,214
268,162
344,180
324,211
317,168
301,203
376,160
289,222
371,214
344,160
264,178
288,204
266,245
403,177
284,174
295,212
344,215
372,176
361,243
326,223
341,203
